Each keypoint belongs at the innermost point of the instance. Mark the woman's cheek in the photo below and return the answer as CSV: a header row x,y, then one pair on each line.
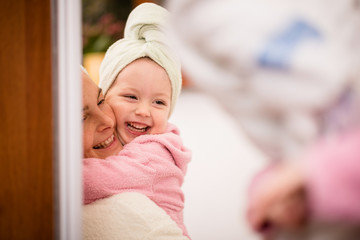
x,y
87,143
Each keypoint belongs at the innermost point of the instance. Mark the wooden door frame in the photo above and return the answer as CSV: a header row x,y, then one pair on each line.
x,y
66,31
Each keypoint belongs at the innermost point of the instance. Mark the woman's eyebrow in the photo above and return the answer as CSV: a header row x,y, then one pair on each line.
x,y
100,91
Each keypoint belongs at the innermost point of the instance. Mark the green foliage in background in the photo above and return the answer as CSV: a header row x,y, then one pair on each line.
x,y
103,23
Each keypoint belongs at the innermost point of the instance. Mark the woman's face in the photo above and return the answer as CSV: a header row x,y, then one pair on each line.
x,y
140,98
99,139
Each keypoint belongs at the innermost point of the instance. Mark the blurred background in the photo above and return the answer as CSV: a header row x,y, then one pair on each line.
x,y
103,23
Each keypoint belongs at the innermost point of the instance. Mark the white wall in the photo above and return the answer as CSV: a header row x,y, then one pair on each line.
x,y
222,165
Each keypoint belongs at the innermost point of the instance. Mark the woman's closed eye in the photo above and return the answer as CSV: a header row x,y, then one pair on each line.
x,y
100,98
101,101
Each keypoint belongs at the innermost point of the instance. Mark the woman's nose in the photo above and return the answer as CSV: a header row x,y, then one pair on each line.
x,y
143,110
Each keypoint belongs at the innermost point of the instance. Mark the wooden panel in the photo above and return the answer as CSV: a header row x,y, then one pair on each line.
x,y
26,153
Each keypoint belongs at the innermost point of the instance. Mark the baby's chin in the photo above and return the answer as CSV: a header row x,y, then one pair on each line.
x,y
126,136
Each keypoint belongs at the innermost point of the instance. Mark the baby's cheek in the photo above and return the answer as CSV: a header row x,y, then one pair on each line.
x,y
164,127
115,108
109,100
159,129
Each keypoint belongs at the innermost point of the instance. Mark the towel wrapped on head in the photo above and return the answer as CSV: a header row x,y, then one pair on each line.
x,y
143,37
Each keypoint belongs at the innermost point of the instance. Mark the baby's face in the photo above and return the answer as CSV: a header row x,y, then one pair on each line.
x,y
140,99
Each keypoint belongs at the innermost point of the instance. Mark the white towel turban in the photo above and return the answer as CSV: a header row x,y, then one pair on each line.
x,y
143,37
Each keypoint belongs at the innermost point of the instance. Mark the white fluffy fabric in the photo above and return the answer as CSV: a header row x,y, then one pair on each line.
x,y
143,37
128,216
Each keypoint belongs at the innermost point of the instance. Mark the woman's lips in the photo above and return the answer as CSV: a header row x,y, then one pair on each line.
x,y
105,143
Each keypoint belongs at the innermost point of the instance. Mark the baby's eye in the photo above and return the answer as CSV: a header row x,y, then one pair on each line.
x,y
159,102
131,96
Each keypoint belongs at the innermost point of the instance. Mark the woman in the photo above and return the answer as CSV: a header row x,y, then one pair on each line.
x,y
123,216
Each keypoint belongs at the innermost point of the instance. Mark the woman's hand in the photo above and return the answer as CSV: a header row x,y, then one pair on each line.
x,y
278,200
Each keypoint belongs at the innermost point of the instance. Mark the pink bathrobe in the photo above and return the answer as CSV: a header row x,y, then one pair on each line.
x,y
153,165
333,178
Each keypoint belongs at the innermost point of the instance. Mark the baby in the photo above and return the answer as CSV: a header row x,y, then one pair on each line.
x,y
142,80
